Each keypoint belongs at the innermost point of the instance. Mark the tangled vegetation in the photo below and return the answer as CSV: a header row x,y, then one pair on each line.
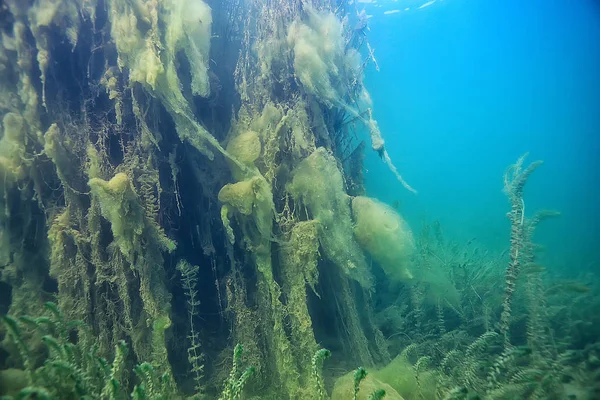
x,y
182,186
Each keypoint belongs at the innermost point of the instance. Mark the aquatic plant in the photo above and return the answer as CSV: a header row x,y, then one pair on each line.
x,y
330,70
317,368
377,395
514,182
189,280
237,380
359,375
72,368
452,331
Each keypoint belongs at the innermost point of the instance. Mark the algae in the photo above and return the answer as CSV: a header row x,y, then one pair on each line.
x,y
318,184
382,232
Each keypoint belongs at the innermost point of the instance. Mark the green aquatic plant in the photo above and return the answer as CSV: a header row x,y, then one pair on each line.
x,y
377,395
359,375
178,26
12,144
300,274
253,201
317,369
113,385
104,156
106,240
234,385
152,385
514,182
139,240
71,369
468,358
465,366
120,205
189,280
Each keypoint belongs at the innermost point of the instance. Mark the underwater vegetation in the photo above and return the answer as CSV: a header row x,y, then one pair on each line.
x,y
183,215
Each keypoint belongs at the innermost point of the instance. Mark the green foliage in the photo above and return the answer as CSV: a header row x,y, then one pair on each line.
x,y
377,395
71,370
153,386
113,385
515,178
14,330
234,385
317,369
453,298
359,375
189,280
468,358
464,367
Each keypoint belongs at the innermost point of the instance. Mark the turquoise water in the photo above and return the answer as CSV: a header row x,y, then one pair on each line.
x,y
465,88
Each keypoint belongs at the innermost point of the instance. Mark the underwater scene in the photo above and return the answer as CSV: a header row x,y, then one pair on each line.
x,y
300,199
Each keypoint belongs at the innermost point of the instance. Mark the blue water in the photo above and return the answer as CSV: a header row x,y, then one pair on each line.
x,y
465,88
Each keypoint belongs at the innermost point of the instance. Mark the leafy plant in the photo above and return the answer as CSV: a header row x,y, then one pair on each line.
x,y
72,368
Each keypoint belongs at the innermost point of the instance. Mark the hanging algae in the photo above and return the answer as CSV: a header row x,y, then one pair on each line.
x,y
250,198
319,52
251,202
148,39
317,183
137,240
41,19
299,269
332,72
23,250
20,264
120,208
383,233
246,147
12,146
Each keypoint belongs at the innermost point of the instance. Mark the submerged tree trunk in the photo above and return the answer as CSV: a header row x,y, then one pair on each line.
x,y
139,135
